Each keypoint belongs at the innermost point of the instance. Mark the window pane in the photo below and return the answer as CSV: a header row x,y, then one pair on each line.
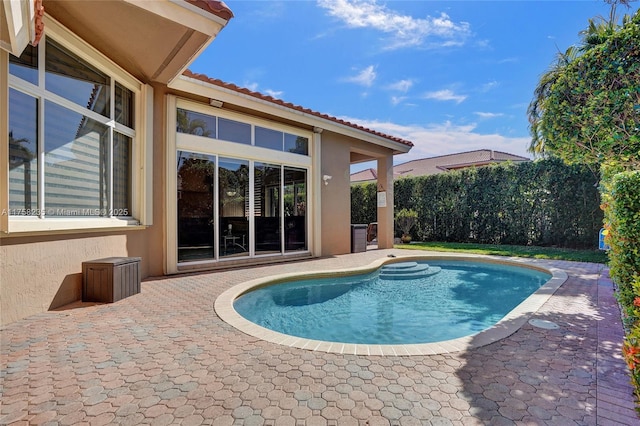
x,y
295,209
23,153
125,106
26,66
121,175
233,201
267,208
195,123
268,138
76,174
296,144
196,178
72,78
234,131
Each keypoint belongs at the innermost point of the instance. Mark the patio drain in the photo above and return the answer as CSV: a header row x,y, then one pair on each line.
x,y
547,325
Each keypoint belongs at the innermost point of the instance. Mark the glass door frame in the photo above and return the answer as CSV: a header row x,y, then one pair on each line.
x,y
221,150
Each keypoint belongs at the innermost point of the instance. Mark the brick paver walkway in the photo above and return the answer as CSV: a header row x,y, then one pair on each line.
x,y
164,357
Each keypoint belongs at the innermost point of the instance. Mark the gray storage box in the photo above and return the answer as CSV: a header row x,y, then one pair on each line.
x,y
111,279
358,238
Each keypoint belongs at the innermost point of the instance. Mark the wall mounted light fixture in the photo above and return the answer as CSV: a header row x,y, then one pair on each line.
x,y
216,103
326,179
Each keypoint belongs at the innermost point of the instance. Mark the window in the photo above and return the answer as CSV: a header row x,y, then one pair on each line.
x,y
225,129
72,136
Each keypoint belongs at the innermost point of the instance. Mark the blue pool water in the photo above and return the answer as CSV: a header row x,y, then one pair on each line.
x,y
459,299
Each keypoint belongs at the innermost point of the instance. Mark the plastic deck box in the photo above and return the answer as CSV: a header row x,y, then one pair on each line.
x,y
110,279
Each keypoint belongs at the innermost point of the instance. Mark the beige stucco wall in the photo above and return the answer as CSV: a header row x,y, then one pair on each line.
x,y
336,195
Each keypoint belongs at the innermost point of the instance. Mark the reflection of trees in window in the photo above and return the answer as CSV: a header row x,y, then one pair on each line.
x,y
21,156
195,187
18,153
233,185
295,192
194,123
296,144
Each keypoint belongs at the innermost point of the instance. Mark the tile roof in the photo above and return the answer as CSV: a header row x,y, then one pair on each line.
x,y
364,175
444,163
215,7
257,95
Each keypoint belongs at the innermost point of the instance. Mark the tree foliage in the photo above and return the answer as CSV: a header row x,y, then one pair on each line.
x,y
586,108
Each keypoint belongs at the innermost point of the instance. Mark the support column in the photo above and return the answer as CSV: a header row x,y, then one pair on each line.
x,y
385,202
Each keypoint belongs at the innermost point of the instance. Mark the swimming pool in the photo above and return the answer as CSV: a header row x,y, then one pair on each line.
x,y
464,297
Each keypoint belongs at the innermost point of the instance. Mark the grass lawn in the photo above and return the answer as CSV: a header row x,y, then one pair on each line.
x,y
593,256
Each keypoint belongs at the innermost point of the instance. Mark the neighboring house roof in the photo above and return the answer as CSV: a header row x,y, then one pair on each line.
x,y
364,176
444,163
257,95
217,8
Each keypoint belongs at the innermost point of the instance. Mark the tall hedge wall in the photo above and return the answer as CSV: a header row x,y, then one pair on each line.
x,y
544,203
621,196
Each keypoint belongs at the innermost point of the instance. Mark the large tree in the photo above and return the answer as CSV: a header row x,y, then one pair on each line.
x,y
586,108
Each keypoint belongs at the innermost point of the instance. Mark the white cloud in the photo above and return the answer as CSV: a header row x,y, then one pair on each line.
x,y
251,85
488,114
444,95
274,93
366,77
395,100
489,86
255,87
435,139
401,85
404,30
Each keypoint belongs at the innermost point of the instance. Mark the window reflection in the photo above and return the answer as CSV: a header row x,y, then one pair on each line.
x,y
234,131
233,204
23,154
121,175
125,106
74,79
268,138
76,168
267,208
26,66
296,144
195,123
295,209
196,177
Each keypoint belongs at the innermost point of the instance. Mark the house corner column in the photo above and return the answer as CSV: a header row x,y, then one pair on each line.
x,y
385,202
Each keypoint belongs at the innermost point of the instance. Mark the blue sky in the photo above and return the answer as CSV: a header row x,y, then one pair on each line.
x,y
450,76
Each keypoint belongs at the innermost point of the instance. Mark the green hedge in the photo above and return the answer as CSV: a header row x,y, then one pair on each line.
x,y
621,196
543,203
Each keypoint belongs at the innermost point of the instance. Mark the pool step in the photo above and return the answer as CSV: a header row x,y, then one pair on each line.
x,y
407,271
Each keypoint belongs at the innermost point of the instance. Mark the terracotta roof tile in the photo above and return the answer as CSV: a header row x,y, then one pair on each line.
x,y
444,163
257,95
215,7
364,175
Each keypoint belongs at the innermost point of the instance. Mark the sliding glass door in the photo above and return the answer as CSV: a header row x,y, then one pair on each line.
x,y
196,178
235,208
295,209
266,195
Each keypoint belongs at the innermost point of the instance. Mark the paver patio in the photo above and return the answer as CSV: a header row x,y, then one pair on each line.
x,y
164,357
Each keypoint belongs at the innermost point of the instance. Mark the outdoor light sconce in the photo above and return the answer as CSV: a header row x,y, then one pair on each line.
x,y
215,103
326,179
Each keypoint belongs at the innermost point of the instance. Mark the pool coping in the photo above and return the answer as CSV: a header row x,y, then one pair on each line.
x,y
508,325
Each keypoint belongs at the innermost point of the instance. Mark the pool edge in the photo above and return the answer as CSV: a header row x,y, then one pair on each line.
x,y
508,325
